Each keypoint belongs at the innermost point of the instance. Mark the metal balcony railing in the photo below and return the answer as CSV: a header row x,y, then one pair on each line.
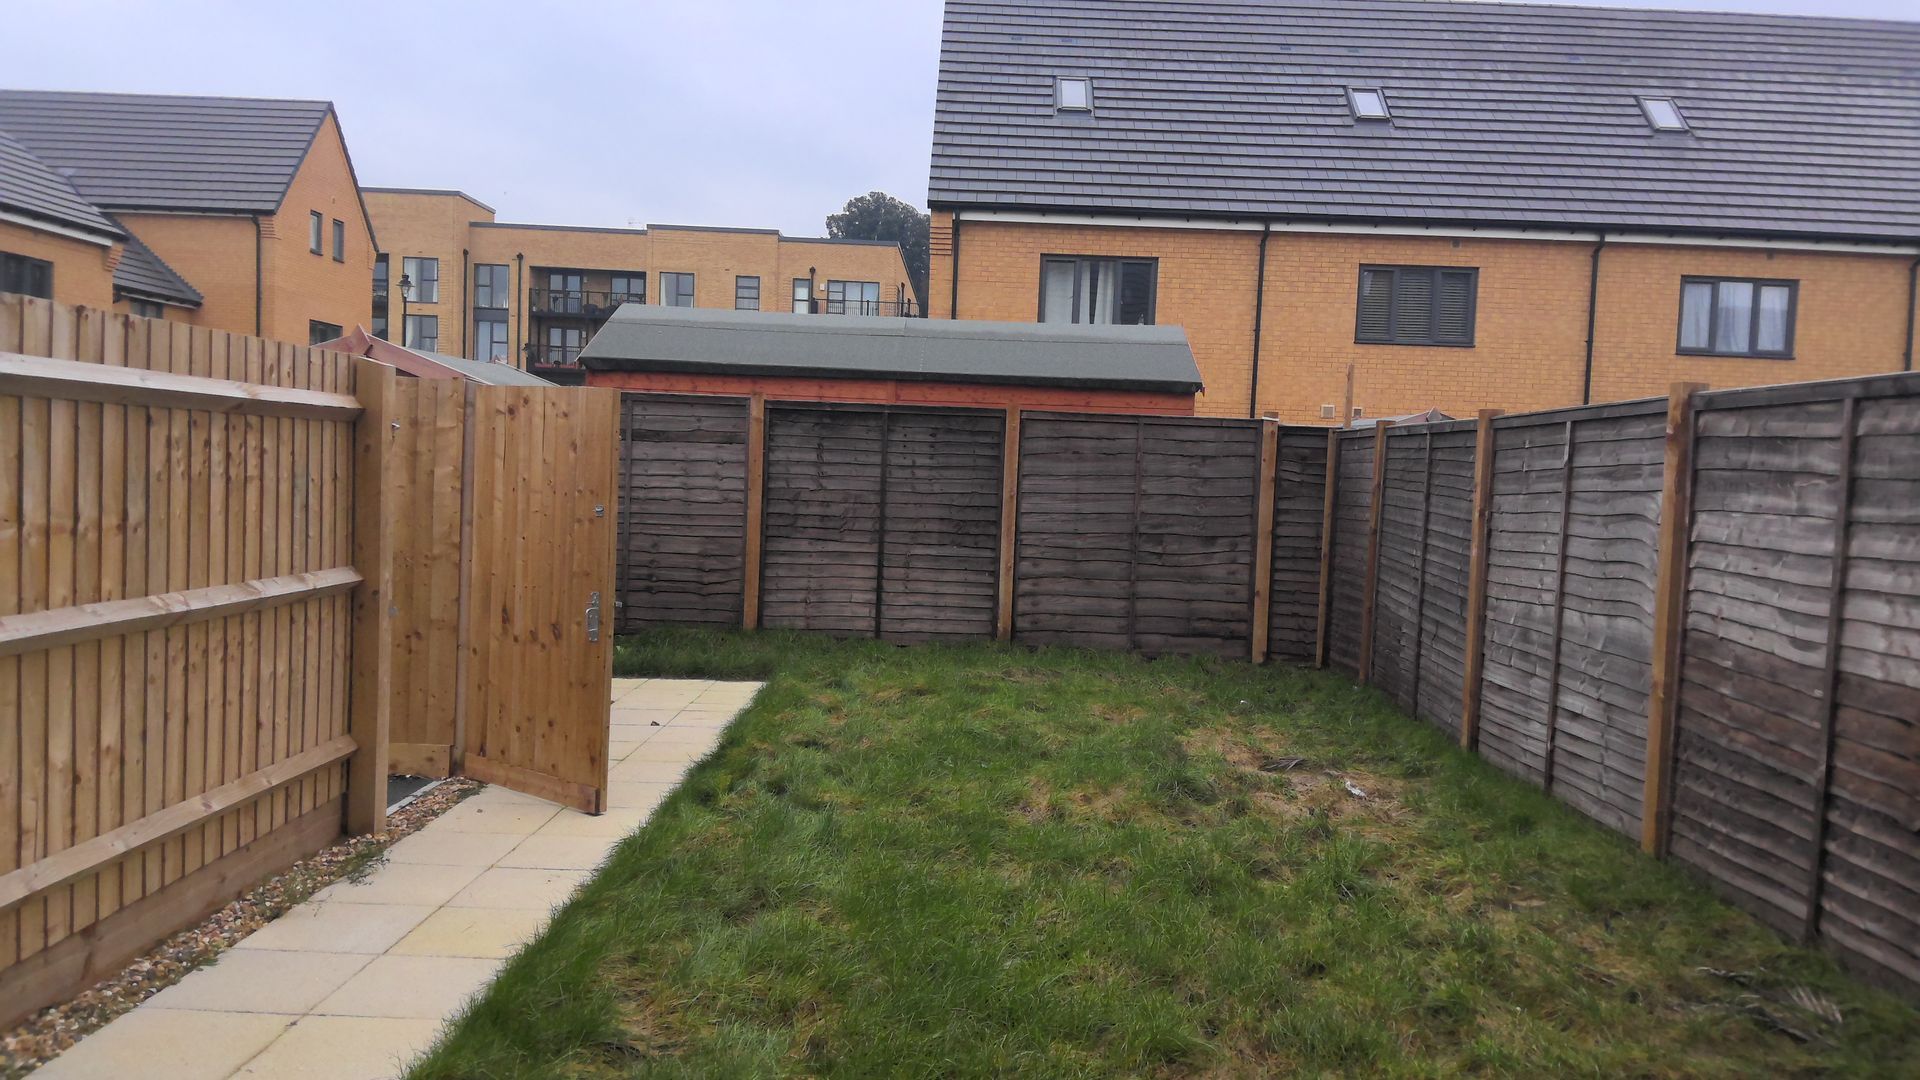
x,y
580,303
898,309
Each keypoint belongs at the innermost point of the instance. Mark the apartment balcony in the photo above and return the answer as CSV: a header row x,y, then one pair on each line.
x,y
578,303
898,309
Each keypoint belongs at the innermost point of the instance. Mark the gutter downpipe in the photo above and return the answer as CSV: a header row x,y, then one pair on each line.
x,y
953,285
1259,309
1913,293
1593,308
258,276
466,296
520,289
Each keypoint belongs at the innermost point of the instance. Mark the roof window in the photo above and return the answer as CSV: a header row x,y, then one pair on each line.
x,y
1073,94
1663,114
1369,103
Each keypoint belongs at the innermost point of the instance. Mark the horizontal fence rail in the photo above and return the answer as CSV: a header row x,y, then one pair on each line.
x,y
176,575
1694,619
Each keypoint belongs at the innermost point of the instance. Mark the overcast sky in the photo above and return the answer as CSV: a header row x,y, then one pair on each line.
x,y
767,113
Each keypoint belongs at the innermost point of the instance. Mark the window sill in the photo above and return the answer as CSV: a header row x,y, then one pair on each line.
x,y
1705,355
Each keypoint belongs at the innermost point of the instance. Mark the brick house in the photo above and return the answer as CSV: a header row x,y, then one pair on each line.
x,y
533,295
239,214
1473,205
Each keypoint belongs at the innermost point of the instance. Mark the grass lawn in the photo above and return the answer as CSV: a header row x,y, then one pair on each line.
x,y
988,860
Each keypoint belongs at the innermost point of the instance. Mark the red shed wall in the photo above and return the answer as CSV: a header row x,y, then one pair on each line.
x,y
900,392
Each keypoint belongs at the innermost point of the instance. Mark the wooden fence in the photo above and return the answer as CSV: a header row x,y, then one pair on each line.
x,y
1695,619
177,592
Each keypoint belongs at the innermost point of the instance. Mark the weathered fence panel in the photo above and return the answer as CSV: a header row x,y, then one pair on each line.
x,y
1137,532
175,570
1419,626
1298,511
1352,476
1796,778
683,510
940,517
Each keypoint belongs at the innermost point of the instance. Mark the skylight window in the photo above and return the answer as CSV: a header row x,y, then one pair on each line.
x,y
1368,103
1073,95
1663,114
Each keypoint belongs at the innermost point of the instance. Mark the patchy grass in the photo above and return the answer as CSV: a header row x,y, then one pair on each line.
x,y
985,860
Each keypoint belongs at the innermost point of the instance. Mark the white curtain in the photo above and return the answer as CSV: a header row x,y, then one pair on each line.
x,y
1696,315
1773,319
1056,290
1733,317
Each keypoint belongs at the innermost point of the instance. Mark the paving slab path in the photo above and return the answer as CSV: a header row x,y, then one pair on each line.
x,y
360,978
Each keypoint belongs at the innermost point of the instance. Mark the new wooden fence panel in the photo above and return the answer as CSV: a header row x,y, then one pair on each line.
x,y
428,449
1352,522
683,512
941,524
118,492
1298,514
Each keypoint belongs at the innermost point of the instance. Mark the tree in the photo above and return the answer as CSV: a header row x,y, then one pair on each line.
x,y
879,216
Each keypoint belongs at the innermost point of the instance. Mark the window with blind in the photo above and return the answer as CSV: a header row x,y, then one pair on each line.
x,y
1416,305
1737,317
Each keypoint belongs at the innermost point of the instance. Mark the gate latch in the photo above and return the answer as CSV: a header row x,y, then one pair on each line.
x,y
593,616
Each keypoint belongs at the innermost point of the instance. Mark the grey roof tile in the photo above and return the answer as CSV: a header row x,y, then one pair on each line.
x,y
28,186
1503,113
160,152
143,274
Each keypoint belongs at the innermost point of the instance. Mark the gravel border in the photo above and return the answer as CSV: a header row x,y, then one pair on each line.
x,y
49,1032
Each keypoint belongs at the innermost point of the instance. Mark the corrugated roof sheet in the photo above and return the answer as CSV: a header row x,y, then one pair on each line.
x,y
28,186
653,337
144,274
160,152
1506,114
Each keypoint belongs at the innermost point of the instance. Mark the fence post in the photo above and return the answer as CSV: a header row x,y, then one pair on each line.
x,y
1477,580
1263,539
375,505
1009,522
1830,679
1669,616
756,502
1364,663
1327,516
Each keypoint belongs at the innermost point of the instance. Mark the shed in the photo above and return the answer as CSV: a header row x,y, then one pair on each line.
x,y
882,360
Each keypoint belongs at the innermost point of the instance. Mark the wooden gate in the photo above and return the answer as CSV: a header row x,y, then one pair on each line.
x,y
503,561
538,621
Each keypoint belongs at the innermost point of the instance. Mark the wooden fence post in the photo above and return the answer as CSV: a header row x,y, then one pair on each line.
x,y
1669,616
1327,517
1009,523
756,503
1364,663
1477,580
1263,539
375,505
1830,679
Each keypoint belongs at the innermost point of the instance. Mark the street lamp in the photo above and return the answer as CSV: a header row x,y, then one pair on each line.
x,y
406,293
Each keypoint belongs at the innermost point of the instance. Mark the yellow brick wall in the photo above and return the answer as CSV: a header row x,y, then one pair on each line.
x,y
1530,330
1851,317
1205,283
215,255
82,271
437,225
302,286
